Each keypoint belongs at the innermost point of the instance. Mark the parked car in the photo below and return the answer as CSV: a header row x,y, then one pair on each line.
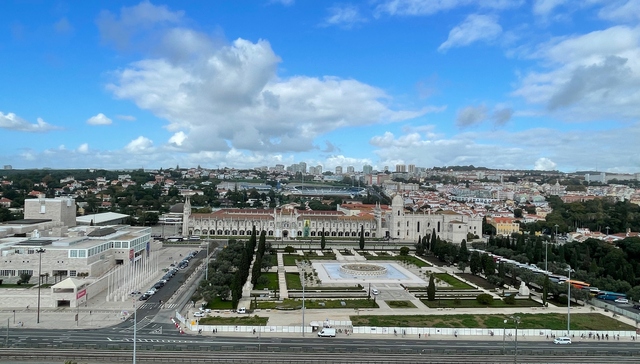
x,y
199,314
563,340
144,297
621,300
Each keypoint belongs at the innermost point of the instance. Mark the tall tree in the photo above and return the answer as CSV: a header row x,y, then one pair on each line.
x,y
545,290
361,237
475,264
419,247
433,241
323,241
431,289
463,253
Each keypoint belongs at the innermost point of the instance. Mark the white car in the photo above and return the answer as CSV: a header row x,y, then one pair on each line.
x,y
622,300
199,314
562,340
151,292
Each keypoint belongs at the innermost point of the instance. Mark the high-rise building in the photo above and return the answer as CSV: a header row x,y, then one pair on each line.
x,y
350,169
412,168
401,168
339,170
367,169
302,167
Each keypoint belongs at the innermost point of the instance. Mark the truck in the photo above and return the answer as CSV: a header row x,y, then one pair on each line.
x,y
327,332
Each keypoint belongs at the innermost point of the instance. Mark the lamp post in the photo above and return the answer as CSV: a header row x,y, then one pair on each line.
x,y
39,251
516,319
206,269
569,303
303,284
504,333
135,329
607,230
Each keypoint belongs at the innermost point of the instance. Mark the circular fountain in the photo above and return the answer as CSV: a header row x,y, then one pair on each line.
x,y
363,269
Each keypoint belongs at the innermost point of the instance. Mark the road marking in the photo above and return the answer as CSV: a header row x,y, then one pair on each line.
x,y
109,339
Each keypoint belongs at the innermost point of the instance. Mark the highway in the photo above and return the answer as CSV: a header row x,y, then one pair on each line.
x,y
164,337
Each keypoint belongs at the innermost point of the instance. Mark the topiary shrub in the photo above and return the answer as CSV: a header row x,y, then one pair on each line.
x,y
484,299
289,249
510,300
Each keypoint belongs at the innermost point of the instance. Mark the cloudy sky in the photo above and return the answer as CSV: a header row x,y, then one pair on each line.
x,y
515,84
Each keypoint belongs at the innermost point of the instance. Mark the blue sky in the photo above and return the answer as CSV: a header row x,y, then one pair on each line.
x,y
514,84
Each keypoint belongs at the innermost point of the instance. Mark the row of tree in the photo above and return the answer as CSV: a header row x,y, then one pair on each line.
x,y
608,267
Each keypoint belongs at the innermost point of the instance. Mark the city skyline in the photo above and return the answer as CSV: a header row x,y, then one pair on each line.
x,y
518,85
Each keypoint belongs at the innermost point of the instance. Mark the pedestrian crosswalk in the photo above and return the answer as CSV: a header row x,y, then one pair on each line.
x,y
151,306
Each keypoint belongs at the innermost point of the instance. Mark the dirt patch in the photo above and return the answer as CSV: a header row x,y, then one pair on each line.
x,y
478,281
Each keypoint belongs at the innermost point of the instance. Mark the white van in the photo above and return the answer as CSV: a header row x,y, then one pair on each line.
x,y
327,332
562,340
242,310
374,291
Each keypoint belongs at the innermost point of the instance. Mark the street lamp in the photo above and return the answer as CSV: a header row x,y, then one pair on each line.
x,y
607,230
516,319
504,333
569,303
39,251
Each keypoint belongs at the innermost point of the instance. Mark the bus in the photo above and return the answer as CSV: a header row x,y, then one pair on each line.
x,y
578,284
610,296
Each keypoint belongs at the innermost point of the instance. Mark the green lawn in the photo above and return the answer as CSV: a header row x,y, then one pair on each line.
x,y
407,258
400,304
472,303
553,321
290,259
245,320
219,304
453,281
273,282
318,303
293,281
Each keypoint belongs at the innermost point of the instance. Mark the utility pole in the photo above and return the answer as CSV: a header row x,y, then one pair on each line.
x,y
569,304
39,251
303,284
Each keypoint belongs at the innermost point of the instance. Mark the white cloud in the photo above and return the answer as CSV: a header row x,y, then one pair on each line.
x,y
474,28
233,98
11,121
126,117
541,148
545,7
178,138
544,164
345,16
139,145
430,7
132,21
588,77
621,11
83,148
100,119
